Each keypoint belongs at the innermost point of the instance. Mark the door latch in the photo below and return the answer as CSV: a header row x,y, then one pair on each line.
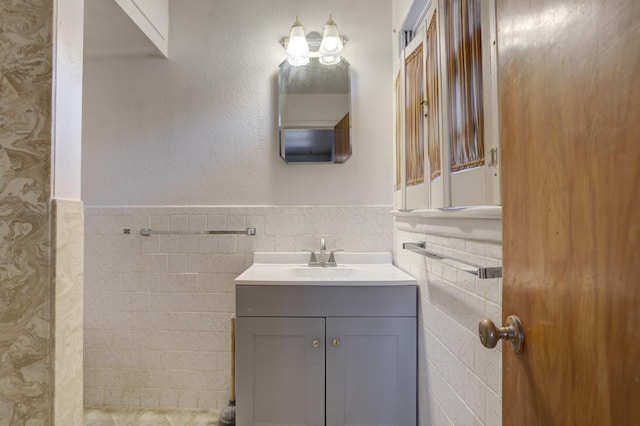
x,y
493,157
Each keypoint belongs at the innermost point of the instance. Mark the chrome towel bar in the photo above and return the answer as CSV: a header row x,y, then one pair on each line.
x,y
147,232
481,271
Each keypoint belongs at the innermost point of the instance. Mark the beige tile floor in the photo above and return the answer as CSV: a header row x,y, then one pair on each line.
x,y
148,417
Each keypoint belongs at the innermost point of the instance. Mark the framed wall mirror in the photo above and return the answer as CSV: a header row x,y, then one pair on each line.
x,y
314,111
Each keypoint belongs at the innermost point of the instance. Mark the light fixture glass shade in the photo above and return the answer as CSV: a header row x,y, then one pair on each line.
x,y
298,45
331,42
329,60
298,61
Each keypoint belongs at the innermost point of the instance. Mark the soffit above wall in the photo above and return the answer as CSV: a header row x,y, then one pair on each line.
x,y
110,32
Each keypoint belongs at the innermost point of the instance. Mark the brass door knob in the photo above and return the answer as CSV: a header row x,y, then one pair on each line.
x,y
512,332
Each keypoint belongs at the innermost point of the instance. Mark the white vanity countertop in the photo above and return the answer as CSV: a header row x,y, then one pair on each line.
x,y
354,269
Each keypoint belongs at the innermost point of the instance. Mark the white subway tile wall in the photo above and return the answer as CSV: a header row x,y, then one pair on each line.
x,y
460,381
157,308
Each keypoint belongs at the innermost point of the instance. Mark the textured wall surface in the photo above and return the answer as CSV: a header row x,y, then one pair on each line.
x,y
201,127
157,308
25,151
460,381
67,310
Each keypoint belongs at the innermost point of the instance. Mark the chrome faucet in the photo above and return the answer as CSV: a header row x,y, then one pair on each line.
x,y
319,260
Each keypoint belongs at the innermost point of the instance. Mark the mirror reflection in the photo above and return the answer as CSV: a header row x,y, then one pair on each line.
x,y
315,104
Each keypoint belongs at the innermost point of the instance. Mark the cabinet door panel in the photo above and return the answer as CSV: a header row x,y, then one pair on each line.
x,y
371,372
416,189
280,374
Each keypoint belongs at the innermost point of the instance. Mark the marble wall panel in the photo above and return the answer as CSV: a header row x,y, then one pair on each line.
x,y
25,158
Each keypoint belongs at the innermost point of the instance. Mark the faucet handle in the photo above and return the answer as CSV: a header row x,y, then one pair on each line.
x,y
313,258
323,245
332,258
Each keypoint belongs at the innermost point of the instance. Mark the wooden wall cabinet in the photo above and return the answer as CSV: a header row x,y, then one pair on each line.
x,y
446,117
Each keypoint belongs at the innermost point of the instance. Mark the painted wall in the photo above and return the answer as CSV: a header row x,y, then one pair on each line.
x,y
67,98
200,128
192,140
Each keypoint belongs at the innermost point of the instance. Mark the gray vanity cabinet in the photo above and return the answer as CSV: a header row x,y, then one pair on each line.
x,y
343,363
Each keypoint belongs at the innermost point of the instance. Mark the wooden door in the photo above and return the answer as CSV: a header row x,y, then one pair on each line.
x,y
280,371
569,84
371,371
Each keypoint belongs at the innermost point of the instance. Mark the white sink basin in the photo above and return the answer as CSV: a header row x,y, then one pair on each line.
x,y
354,269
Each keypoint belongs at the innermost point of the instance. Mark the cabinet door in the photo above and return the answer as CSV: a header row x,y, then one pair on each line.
x,y
471,97
279,371
371,371
414,152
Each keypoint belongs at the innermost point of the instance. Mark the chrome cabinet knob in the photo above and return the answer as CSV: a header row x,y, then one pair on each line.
x,y
335,342
315,343
512,332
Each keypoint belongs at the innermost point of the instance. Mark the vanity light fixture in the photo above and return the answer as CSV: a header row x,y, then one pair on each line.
x,y
297,45
326,47
331,43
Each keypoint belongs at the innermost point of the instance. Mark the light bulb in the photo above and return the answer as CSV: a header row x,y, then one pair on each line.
x,y
331,42
298,45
